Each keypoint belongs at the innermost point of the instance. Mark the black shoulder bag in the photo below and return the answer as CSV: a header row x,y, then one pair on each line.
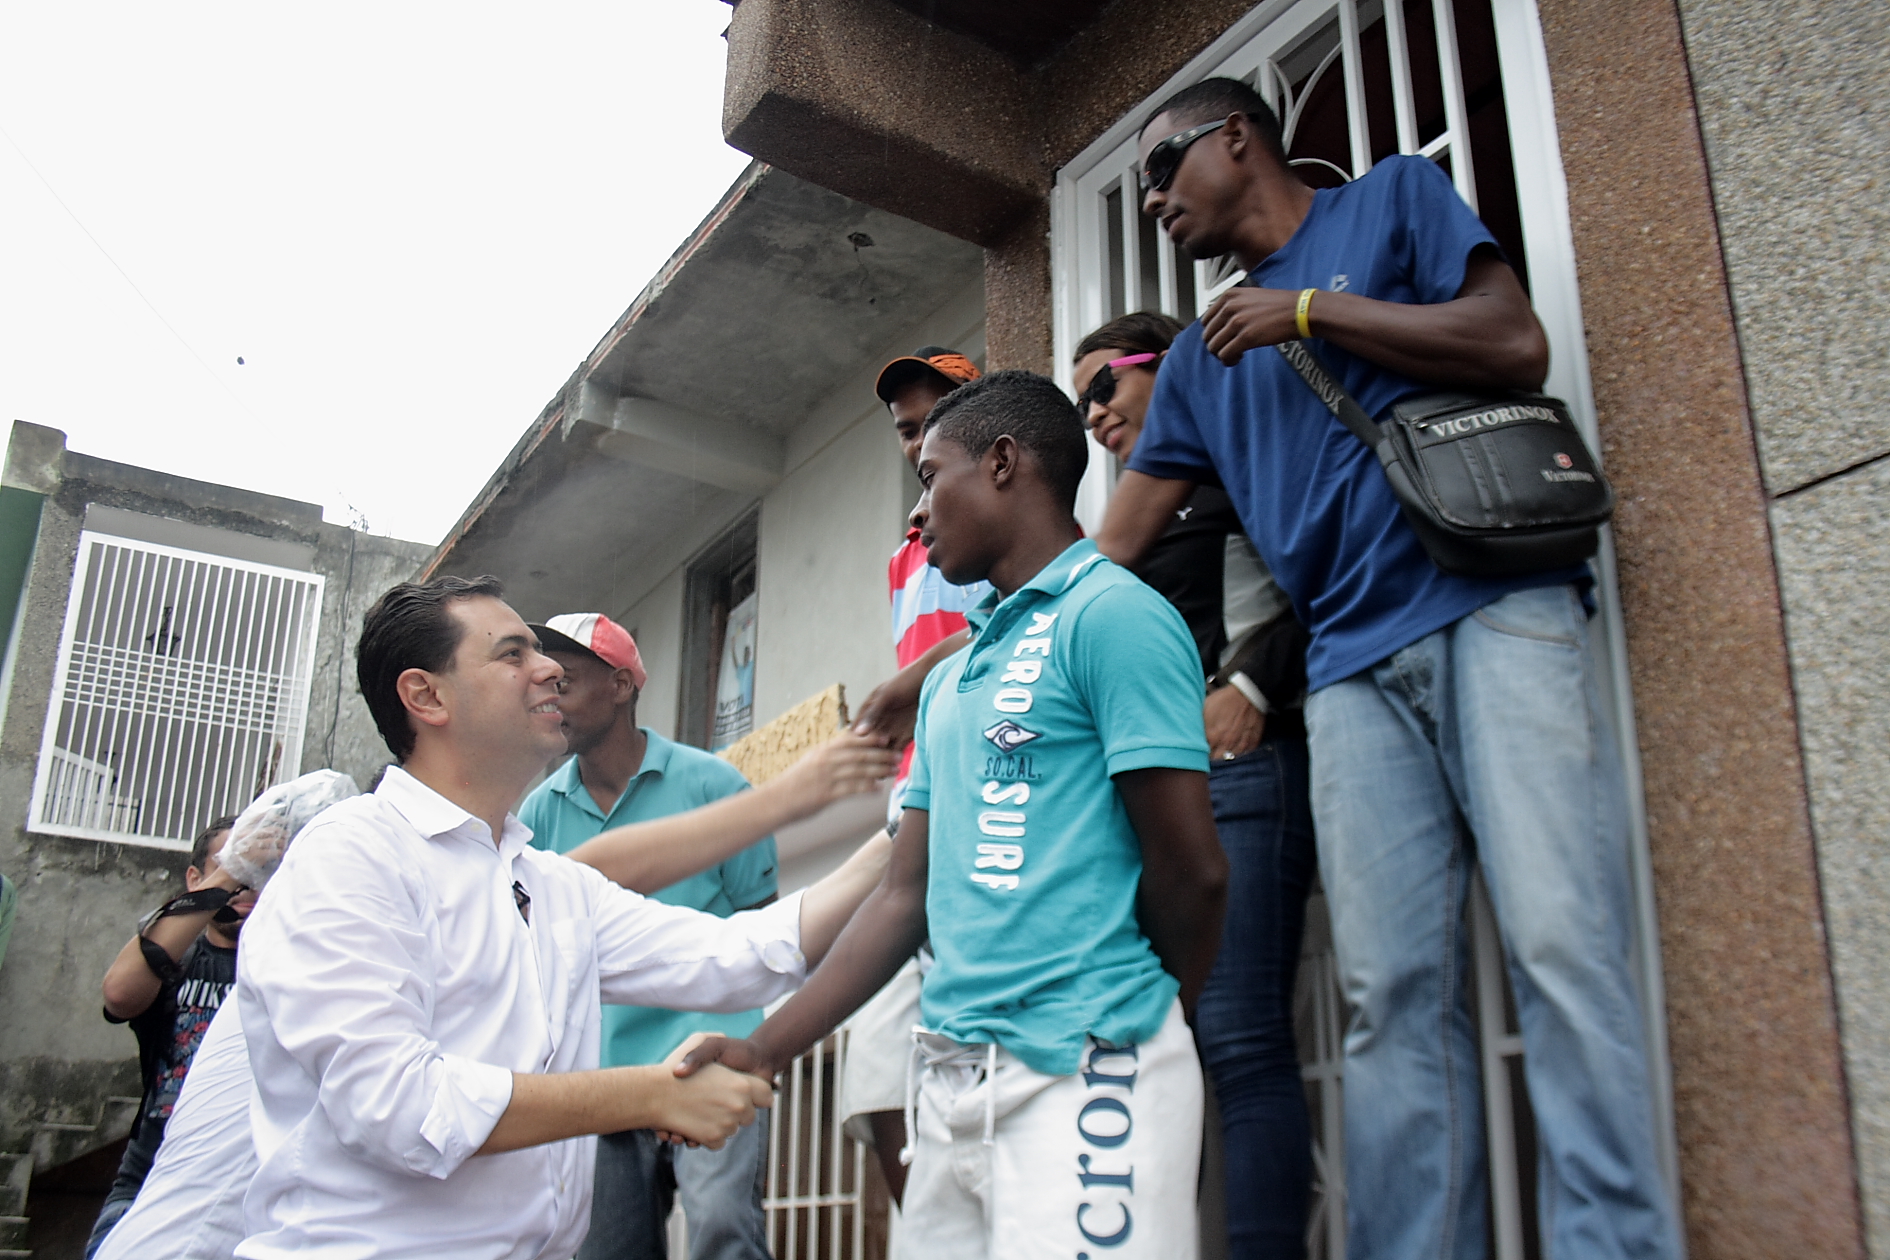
x,y
1492,484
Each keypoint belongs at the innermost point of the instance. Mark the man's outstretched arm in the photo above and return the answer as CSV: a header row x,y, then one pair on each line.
x,y
705,1108
1184,872
648,856
887,930
891,708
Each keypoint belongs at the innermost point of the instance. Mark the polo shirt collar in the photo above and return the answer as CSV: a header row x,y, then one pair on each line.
x,y
433,816
1054,579
567,782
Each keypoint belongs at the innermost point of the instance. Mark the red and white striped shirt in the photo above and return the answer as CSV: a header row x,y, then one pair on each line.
x,y
925,608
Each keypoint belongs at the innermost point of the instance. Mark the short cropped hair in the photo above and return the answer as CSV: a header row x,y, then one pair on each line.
x,y
410,627
200,848
1140,332
1217,98
1029,407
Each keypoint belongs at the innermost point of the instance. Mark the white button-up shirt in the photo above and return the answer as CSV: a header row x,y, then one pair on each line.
x,y
389,987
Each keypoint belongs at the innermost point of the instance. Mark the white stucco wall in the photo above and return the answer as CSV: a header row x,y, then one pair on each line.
x,y
825,535
656,622
829,528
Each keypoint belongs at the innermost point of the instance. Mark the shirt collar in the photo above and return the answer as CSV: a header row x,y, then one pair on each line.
x,y
569,783
1054,579
432,815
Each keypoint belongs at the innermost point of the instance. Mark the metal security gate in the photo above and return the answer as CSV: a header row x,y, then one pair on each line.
x,y
815,1171
1354,81
180,691
815,1203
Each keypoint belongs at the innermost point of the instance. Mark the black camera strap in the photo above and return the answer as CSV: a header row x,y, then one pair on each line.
x,y
213,900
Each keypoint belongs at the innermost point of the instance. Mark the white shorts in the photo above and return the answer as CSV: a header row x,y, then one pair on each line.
x,y
879,1045
1011,1164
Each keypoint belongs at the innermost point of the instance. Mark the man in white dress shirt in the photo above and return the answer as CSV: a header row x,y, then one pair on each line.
x,y
419,986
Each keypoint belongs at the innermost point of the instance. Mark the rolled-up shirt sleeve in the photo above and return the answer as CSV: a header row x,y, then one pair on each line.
x,y
653,954
338,966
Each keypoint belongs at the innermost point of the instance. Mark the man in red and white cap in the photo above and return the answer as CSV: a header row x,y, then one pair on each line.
x,y
624,773
598,636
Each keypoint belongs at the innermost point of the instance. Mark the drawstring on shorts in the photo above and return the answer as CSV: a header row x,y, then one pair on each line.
x,y
924,1056
912,1099
990,1094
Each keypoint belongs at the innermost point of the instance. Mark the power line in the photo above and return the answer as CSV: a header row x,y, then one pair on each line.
x,y
360,518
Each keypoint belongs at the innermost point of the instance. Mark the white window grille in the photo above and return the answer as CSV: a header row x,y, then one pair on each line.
x,y
815,1171
180,691
1351,78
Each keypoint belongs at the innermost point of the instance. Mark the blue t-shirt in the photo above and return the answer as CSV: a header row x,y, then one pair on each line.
x,y
1082,674
1311,496
673,779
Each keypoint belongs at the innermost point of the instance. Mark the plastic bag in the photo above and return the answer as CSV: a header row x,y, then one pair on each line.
x,y
263,831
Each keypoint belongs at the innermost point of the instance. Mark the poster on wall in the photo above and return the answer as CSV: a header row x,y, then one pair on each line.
x,y
735,682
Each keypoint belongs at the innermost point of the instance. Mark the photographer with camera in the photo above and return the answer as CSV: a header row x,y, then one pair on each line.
x,y
167,983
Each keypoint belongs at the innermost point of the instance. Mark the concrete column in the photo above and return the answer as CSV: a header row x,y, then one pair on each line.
x,y
1017,313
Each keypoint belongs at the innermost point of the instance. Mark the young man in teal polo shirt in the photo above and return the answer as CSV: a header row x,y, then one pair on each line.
x,y
1058,845
621,773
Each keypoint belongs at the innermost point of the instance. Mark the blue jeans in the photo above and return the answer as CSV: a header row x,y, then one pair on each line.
x,y
1244,1024
639,1177
1485,742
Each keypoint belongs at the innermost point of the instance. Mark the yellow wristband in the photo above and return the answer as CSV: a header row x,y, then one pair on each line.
x,y
1304,309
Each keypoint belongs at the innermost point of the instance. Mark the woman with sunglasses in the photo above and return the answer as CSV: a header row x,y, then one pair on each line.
x,y
1253,651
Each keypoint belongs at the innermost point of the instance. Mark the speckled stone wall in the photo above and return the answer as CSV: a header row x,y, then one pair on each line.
x,y
1794,99
865,99
1794,102
1760,1105
1834,557
1017,297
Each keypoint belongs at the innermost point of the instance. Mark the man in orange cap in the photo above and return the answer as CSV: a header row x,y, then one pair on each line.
x,y
928,626
928,611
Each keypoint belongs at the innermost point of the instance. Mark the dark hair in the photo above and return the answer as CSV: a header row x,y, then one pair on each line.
x,y
200,848
1141,332
1217,98
1032,409
409,627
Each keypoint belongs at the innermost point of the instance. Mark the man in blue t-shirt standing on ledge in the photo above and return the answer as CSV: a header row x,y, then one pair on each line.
x,y
1452,720
621,773
1058,843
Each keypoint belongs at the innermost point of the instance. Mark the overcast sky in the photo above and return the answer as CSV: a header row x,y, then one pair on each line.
x,y
411,221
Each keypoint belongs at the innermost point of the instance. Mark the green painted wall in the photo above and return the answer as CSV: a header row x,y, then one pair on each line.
x,y
19,532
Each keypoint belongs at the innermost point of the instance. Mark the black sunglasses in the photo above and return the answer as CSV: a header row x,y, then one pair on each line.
x,y
1102,386
1165,158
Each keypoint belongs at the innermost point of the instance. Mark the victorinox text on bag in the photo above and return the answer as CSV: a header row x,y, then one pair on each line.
x,y
1492,484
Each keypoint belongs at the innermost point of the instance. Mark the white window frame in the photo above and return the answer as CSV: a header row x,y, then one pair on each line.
x,y
1078,241
220,694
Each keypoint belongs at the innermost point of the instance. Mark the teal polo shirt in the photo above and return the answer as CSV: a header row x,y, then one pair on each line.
x,y
1082,674
674,778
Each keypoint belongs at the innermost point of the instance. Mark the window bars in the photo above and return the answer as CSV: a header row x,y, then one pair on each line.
x,y
180,691
1327,69
815,1171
